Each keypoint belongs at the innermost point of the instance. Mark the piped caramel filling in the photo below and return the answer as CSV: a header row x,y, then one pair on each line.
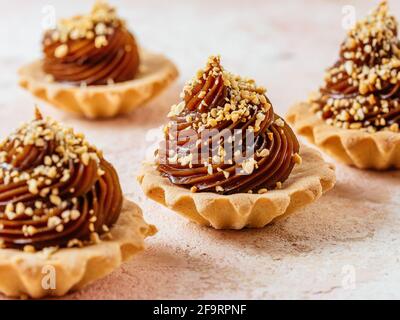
x,y
55,188
94,49
218,100
362,89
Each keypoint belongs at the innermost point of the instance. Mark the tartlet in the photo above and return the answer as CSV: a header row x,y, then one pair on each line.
x,y
92,66
63,219
355,116
228,161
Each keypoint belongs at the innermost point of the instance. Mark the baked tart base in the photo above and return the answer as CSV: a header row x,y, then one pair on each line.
x,y
23,273
364,150
156,72
307,182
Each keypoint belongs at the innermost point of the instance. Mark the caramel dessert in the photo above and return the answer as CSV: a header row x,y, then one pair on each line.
x,y
355,116
58,194
93,66
217,99
93,49
236,191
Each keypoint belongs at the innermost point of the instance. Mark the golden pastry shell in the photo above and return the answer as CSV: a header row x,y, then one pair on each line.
x,y
364,150
307,182
22,273
155,73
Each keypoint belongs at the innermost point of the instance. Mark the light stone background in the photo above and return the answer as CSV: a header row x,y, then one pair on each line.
x,y
346,245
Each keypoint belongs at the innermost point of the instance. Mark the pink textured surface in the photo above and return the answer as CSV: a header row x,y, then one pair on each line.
x,y
285,45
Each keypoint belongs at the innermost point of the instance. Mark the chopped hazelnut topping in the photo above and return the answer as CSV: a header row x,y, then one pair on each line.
x,y
220,114
394,127
279,122
33,186
96,25
53,222
56,200
361,90
100,41
75,243
248,165
61,51
29,249
297,159
263,153
95,238
47,178
262,191
176,109
226,174
75,214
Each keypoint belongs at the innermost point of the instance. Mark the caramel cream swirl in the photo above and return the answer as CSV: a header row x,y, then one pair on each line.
x,y
55,188
362,90
94,49
223,102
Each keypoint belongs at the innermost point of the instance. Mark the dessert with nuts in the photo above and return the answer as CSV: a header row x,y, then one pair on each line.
x,y
95,60
217,99
56,189
93,49
355,116
58,194
227,158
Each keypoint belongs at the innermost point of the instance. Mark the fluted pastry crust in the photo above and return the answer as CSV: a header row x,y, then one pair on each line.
x,y
223,185
364,150
22,273
62,211
155,74
307,182
355,116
